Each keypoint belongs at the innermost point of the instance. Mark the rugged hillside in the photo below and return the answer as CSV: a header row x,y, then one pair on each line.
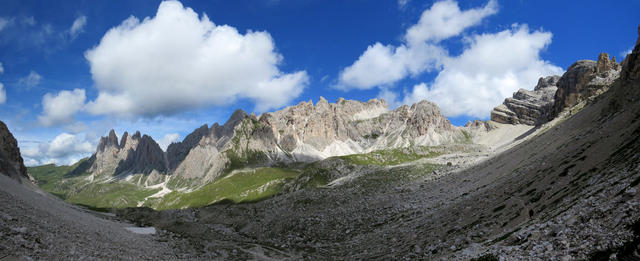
x,y
11,162
553,94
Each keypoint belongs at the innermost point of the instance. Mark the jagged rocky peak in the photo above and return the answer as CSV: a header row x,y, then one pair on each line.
x,y
583,80
146,157
177,151
528,107
236,117
124,138
322,104
133,154
11,162
111,140
605,65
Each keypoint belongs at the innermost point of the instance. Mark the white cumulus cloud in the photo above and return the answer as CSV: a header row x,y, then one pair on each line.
x,y
1,69
168,139
78,26
64,149
60,108
386,64
491,67
178,61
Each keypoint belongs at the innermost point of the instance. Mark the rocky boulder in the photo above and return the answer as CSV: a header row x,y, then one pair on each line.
x,y
528,107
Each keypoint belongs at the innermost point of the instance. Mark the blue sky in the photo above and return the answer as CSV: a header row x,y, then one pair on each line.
x,y
72,70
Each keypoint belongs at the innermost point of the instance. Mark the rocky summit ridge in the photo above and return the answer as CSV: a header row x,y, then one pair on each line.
x,y
300,133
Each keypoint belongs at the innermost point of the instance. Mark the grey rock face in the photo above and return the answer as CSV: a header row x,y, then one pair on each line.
x,y
176,152
528,107
584,79
133,155
11,162
110,140
146,157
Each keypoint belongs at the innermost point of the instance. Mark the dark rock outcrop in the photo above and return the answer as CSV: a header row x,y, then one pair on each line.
x,y
145,158
11,162
176,152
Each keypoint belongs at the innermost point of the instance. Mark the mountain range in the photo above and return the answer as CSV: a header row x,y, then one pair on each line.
x,y
308,132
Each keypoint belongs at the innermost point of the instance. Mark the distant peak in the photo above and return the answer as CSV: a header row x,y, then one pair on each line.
x,y
123,140
237,116
112,134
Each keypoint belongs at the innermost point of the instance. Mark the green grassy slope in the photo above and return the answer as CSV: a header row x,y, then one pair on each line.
x,y
58,181
393,156
51,178
239,186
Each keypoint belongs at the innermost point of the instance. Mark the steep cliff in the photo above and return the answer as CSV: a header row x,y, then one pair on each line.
x,y
11,162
